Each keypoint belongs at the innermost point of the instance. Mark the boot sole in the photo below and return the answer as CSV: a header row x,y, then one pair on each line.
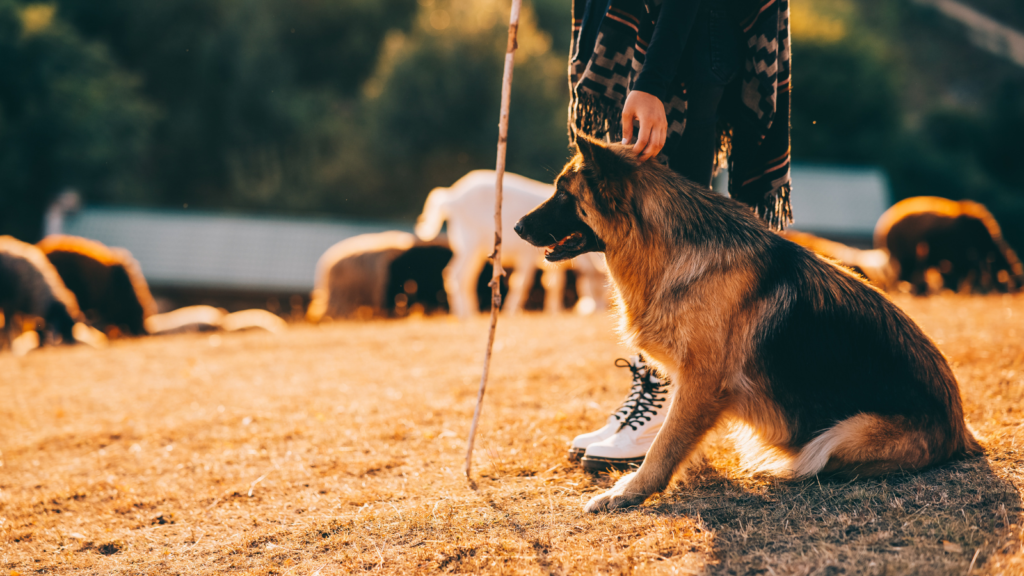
x,y
592,464
576,454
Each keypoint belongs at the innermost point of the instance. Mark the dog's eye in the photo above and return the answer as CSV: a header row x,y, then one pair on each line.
x,y
583,212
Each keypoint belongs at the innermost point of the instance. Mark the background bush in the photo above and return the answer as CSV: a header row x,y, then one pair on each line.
x,y
359,107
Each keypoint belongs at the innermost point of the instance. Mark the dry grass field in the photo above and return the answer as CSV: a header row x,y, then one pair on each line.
x,y
338,449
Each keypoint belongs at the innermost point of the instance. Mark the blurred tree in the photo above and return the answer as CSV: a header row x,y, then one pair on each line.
x,y
894,84
335,44
846,105
958,154
68,117
1001,151
555,18
432,104
256,92
359,107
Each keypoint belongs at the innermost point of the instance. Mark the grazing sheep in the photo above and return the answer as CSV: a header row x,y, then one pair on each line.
x,y
30,285
959,240
254,319
200,318
871,264
415,279
108,282
468,207
352,276
203,318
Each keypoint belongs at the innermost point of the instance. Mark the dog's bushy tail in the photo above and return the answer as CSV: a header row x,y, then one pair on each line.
x,y
428,225
870,444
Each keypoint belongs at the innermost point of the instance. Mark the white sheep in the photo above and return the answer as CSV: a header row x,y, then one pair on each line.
x,y
468,207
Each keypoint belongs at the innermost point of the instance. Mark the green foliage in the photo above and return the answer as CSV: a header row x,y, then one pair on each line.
x,y
893,84
961,154
359,107
335,44
555,18
433,103
256,93
846,104
68,117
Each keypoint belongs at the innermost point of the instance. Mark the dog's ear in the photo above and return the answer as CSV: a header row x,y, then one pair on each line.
x,y
605,170
601,161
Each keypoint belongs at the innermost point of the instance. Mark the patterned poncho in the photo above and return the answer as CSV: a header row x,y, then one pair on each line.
x,y
754,113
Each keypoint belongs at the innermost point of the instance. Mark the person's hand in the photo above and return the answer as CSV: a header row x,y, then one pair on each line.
x,y
650,112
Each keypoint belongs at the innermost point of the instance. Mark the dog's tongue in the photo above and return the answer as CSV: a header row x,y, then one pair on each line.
x,y
571,240
575,236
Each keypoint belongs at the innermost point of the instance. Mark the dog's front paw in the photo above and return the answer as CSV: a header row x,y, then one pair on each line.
x,y
619,497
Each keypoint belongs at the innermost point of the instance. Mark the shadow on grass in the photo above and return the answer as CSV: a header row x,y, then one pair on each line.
x,y
941,520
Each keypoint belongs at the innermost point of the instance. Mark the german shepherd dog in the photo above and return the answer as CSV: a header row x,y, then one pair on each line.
x,y
828,375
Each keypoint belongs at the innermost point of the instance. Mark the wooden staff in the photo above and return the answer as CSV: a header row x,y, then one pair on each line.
x,y
506,97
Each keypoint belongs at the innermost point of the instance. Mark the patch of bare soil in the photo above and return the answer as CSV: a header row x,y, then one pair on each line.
x,y
338,449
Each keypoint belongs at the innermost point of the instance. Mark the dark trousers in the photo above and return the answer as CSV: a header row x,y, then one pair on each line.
x,y
712,59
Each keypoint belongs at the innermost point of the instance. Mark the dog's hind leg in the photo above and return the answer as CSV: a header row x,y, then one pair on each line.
x,y
869,445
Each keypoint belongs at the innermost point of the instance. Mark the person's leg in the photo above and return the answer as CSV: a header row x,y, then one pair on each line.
x,y
712,60
694,155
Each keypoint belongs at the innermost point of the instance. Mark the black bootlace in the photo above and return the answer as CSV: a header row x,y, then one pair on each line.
x,y
648,395
639,370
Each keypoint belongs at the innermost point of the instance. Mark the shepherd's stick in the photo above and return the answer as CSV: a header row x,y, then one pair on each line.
x,y
506,96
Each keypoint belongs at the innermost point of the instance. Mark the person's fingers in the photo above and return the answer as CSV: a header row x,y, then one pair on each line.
x,y
642,138
627,123
659,143
657,140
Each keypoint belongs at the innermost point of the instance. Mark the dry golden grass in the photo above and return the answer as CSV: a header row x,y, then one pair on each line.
x,y
338,450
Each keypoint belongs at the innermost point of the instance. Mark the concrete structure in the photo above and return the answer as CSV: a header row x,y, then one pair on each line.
x,y
181,248
839,202
233,261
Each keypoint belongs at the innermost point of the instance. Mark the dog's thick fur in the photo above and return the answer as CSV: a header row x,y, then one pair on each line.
x,y
828,374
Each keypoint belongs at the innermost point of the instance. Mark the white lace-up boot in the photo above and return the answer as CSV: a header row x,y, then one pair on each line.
x,y
638,367
628,445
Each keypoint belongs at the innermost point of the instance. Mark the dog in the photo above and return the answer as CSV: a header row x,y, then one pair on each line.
x,y
828,375
960,241
468,207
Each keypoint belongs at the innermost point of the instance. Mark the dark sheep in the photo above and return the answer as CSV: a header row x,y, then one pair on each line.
x,y
416,281
961,241
373,275
30,285
108,283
